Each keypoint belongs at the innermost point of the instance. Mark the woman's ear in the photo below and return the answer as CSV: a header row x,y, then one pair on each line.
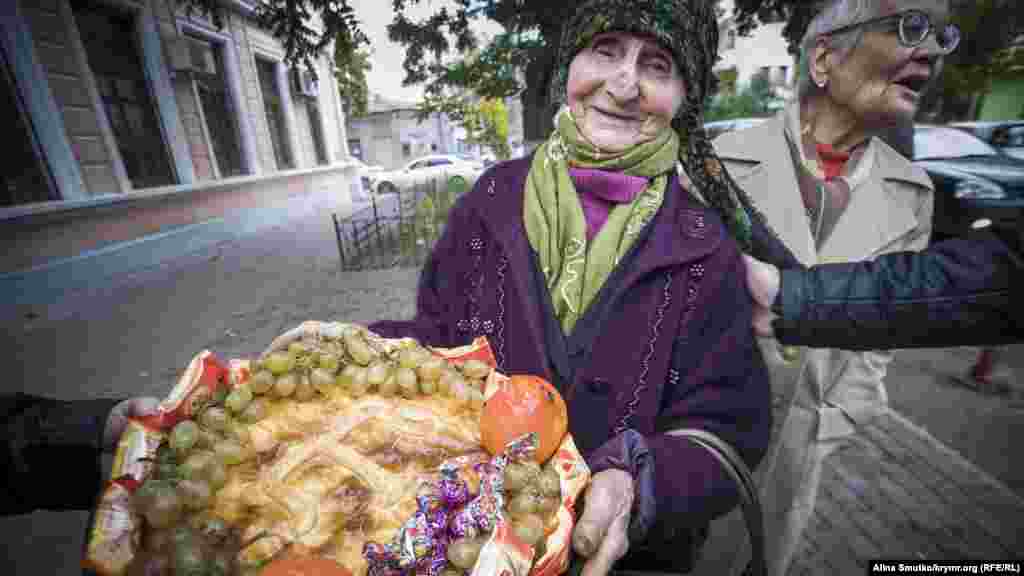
x,y
820,63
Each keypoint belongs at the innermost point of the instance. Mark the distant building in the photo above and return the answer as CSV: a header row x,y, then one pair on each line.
x,y
127,120
763,52
389,135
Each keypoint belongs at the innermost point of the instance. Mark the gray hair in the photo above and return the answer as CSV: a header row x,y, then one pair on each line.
x,y
832,14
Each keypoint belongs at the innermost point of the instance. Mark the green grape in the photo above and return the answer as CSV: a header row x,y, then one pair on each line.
x,y
446,382
550,484
195,494
408,386
524,503
211,527
285,385
215,418
475,369
330,362
548,505
377,373
412,357
190,558
476,397
322,379
262,381
162,507
517,477
360,385
279,363
239,399
464,552
195,466
389,388
431,368
184,436
529,529
255,411
216,474
220,395
428,387
359,350
304,391
346,377
230,452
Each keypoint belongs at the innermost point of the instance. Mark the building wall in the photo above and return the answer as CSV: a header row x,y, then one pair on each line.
x,y
53,45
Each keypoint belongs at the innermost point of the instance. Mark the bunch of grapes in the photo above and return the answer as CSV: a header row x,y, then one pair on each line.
x,y
532,495
357,368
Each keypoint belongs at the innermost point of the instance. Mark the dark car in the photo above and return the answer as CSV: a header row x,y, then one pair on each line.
x,y
1006,135
975,184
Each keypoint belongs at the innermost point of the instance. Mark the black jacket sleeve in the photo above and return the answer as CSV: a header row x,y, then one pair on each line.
x,y
51,455
959,292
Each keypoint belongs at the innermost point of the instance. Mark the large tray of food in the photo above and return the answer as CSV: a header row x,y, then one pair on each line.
x,y
340,452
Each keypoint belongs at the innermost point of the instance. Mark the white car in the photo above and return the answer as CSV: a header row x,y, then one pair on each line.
x,y
447,170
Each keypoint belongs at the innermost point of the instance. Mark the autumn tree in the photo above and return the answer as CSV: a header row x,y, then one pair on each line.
x,y
351,69
289,21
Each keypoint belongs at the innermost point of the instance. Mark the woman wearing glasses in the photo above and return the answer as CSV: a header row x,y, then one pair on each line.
x,y
834,191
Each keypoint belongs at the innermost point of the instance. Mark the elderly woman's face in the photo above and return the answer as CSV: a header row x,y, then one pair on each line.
x,y
623,90
882,81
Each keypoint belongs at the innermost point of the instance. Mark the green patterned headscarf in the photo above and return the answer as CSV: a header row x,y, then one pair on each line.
x,y
689,29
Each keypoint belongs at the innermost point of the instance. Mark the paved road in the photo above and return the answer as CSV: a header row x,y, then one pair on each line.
x,y
135,337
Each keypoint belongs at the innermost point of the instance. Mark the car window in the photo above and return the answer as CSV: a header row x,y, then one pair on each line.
x,y
948,143
1016,137
418,164
440,162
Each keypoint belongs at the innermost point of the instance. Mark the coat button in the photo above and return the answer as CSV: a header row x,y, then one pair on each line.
x,y
598,386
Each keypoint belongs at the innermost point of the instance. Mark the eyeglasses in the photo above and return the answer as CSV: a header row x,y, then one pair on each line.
x,y
914,28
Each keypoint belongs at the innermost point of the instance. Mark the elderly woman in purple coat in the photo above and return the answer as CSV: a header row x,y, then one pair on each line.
x,y
609,263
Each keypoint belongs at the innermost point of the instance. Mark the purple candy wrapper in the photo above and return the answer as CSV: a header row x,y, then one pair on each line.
x,y
447,511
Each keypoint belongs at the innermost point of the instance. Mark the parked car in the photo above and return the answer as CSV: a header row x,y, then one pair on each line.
x,y
1006,135
448,170
975,184
719,127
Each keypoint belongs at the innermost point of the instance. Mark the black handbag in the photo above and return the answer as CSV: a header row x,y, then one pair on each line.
x,y
750,504
687,546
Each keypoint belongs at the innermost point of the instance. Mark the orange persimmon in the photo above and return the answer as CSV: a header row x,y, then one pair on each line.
x,y
298,565
522,404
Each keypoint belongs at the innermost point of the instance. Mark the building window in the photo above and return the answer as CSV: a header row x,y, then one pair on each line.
x,y
109,36
209,76
406,150
23,178
273,107
316,131
355,148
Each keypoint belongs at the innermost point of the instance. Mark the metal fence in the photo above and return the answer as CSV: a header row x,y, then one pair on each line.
x,y
397,228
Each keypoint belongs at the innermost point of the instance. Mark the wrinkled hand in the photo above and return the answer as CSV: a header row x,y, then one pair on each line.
x,y
763,281
118,418
600,535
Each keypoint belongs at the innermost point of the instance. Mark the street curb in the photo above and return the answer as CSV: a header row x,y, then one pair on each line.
x,y
50,283
983,477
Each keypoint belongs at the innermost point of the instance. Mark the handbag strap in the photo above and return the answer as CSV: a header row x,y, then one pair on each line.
x,y
740,474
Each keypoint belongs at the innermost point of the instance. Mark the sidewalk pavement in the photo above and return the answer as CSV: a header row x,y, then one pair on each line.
x,y
136,336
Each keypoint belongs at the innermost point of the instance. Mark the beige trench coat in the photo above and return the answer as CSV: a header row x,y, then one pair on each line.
x,y
825,394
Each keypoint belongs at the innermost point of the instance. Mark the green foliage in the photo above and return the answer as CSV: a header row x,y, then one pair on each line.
x,y
289,22
484,119
352,67
752,101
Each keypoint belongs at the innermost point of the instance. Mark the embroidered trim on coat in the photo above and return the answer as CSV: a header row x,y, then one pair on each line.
x,y
499,340
645,364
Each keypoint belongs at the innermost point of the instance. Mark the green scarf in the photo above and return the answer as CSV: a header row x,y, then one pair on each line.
x,y
574,268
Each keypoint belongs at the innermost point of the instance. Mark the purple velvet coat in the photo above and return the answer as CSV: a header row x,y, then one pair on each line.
x,y
676,348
